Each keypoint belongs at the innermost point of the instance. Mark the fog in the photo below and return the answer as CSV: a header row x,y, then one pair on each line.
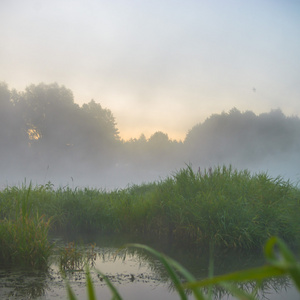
x,y
140,59
45,137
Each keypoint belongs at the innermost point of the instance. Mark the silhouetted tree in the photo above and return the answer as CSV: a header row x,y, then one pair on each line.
x,y
6,115
12,135
42,127
102,119
55,130
239,138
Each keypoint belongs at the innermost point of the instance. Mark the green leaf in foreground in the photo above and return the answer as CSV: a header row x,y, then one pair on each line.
x,y
90,286
283,259
169,264
280,263
239,293
71,295
283,263
247,275
112,288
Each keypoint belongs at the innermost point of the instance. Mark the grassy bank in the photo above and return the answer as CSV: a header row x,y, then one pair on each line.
x,y
232,208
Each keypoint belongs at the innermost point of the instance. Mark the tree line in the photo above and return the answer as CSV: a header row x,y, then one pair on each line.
x,y
43,131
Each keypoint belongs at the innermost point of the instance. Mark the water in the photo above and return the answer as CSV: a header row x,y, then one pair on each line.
x,y
135,273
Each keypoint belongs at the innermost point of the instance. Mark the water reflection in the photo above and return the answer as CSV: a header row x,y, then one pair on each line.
x,y
24,284
134,272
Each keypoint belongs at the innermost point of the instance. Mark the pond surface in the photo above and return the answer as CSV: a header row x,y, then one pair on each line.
x,y
134,272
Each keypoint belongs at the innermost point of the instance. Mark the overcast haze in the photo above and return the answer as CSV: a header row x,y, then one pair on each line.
x,y
157,65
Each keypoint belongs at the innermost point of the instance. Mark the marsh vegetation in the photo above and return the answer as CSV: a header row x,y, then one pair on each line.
x,y
231,208
225,207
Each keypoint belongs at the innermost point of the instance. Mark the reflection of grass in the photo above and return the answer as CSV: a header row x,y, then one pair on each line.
x,y
280,262
28,285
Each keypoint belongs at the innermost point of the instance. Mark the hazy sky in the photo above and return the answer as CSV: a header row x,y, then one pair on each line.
x,y
160,64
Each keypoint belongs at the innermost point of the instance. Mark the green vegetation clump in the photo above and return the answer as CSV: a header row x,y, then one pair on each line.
x,y
23,232
222,206
24,241
231,208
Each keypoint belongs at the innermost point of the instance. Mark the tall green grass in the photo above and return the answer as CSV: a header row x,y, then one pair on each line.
x,y
223,206
232,208
24,241
23,231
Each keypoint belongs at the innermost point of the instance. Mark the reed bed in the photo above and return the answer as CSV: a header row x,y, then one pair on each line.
x,y
222,206
233,209
24,242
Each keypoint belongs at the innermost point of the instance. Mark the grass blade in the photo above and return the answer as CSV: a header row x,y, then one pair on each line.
x,y
287,261
246,275
235,291
168,264
90,286
71,295
112,288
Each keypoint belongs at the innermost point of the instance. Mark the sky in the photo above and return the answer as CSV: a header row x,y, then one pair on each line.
x,y
158,65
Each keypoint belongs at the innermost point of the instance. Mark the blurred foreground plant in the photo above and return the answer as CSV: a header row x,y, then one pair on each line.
x,y
280,262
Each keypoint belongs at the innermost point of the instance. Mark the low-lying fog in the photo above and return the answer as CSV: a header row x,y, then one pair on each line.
x,y
45,136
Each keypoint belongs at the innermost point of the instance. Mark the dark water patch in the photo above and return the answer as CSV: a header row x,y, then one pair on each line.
x,y
195,259
135,273
16,283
